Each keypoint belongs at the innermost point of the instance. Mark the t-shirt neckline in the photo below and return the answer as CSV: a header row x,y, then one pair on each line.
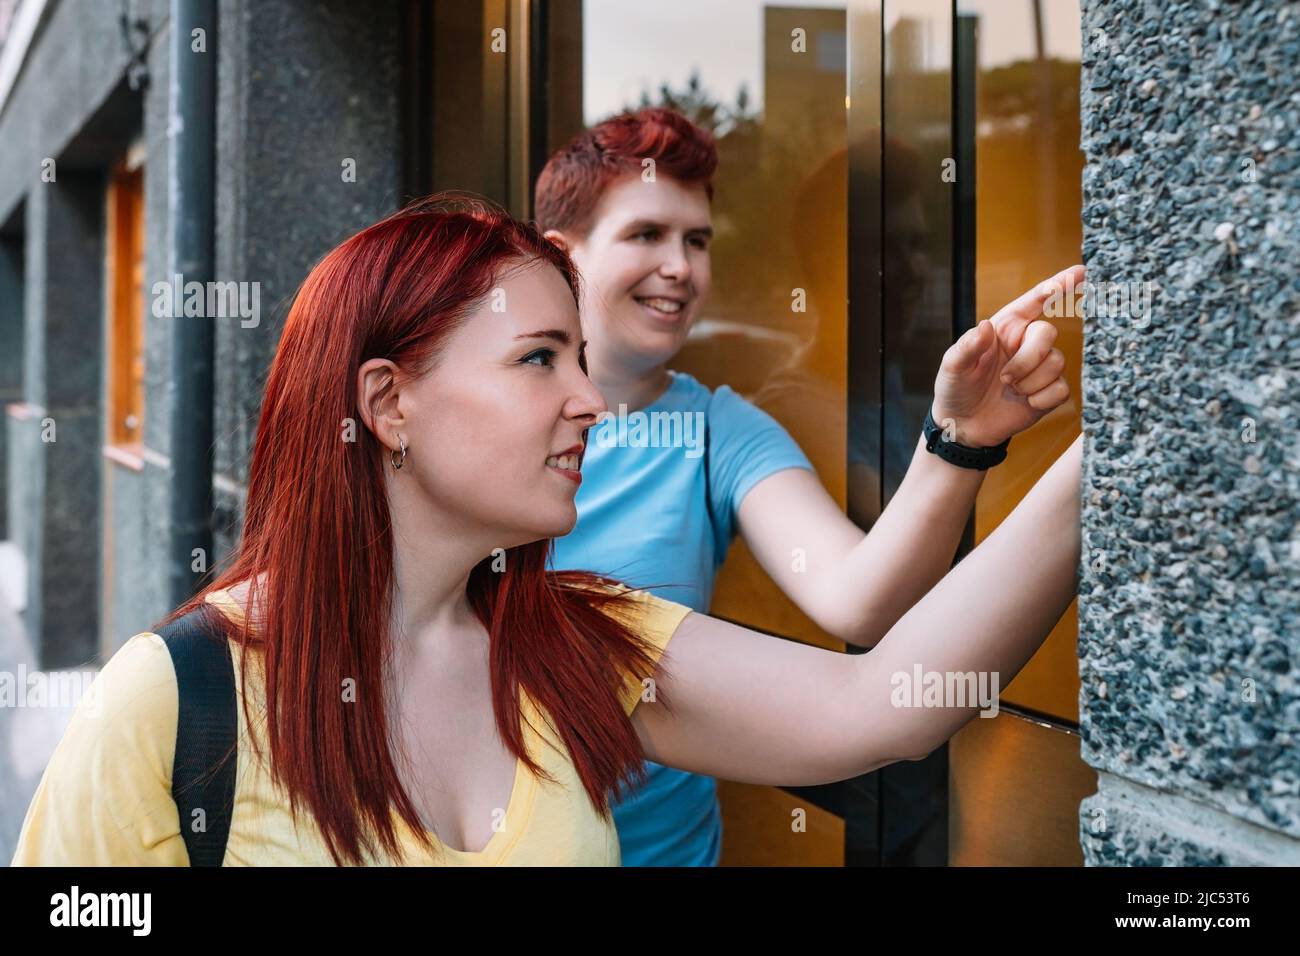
x,y
522,790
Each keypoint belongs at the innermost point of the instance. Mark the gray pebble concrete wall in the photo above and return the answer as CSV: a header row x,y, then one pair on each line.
x,y
1189,704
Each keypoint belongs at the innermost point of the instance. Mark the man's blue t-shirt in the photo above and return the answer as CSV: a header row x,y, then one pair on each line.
x,y
644,518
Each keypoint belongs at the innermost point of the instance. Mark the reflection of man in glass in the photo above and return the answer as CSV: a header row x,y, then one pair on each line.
x,y
805,395
630,200
811,402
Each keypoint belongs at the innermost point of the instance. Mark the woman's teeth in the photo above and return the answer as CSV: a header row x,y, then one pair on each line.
x,y
663,305
567,462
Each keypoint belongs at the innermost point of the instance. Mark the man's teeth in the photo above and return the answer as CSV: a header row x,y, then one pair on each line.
x,y
569,462
663,305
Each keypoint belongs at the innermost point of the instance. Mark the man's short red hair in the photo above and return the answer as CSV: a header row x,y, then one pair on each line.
x,y
575,178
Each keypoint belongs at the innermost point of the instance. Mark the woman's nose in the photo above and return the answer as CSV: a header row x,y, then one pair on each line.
x,y
586,401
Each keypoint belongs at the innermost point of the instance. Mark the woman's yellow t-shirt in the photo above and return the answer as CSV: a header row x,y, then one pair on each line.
x,y
105,797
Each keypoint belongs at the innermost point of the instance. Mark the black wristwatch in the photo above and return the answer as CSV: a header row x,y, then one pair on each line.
x,y
963,456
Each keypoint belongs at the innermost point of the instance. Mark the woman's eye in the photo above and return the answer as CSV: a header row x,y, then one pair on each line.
x,y
647,234
547,354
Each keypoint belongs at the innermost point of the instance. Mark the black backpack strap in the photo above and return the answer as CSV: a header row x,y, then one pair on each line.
x,y
203,776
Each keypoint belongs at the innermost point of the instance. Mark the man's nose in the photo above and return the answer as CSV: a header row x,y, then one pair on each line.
x,y
676,264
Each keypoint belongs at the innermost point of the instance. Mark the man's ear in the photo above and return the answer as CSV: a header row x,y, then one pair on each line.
x,y
558,238
379,385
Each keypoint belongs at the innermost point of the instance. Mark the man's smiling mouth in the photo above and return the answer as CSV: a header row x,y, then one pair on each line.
x,y
661,304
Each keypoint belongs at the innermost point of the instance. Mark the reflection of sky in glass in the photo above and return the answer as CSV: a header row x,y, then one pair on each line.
x,y
631,45
1013,38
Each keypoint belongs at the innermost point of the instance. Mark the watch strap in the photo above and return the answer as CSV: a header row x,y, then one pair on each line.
x,y
958,454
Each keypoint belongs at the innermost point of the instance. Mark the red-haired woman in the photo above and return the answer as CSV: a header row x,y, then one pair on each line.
x,y
629,199
414,686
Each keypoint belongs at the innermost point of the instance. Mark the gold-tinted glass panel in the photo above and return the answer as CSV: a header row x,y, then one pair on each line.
x,y
479,134
770,81
1029,170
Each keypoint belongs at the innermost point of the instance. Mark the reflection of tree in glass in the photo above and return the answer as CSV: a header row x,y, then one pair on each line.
x,y
695,103
1016,90
753,259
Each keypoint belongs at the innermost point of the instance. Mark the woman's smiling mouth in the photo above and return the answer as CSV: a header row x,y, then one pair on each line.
x,y
568,463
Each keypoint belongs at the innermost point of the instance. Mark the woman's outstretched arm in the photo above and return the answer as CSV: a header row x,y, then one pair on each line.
x,y
757,709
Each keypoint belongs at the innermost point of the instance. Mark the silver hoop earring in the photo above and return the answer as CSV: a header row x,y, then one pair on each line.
x,y
392,455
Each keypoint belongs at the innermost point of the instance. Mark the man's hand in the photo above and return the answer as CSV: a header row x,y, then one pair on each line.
x,y
1004,375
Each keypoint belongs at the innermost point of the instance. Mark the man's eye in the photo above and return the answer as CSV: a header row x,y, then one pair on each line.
x,y
700,242
547,354
647,234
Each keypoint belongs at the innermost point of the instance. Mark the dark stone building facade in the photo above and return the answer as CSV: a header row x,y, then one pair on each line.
x,y
302,88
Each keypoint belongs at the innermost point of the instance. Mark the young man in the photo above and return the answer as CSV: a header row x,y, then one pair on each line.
x,y
629,199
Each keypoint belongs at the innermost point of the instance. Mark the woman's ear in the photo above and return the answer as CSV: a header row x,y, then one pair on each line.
x,y
379,385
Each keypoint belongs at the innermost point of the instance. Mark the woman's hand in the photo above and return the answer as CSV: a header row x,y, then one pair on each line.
x,y
1004,375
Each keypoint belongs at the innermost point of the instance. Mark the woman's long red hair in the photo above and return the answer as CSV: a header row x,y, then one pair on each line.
x,y
317,525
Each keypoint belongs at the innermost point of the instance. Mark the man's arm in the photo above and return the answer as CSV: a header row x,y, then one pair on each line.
x,y
856,585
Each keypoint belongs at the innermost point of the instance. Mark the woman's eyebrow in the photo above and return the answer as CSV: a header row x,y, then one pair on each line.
x,y
558,335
